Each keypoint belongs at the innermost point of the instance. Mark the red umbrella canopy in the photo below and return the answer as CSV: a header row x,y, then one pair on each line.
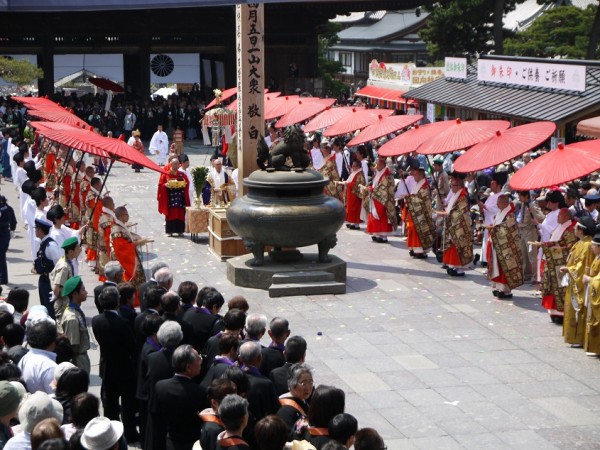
x,y
559,166
76,138
357,120
106,84
462,135
95,144
329,117
227,93
59,115
383,126
280,106
120,151
304,110
504,146
410,140
35,102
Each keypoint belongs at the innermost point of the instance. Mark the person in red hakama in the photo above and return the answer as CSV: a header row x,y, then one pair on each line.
x,y
354,200
504,251
173,197
419,233
382,219
93,204
457,243
124,249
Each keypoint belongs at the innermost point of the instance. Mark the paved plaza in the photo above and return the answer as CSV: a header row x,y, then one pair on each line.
x,y
431,362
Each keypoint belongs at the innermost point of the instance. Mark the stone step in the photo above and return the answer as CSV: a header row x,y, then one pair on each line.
x,y
307,288
302,276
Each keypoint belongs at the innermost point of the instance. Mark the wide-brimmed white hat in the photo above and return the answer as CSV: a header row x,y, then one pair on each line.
x,y
101,433
37,407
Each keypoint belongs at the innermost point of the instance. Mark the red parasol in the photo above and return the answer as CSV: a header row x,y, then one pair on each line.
x,y
410,140
462,135
120,151
69,136
106,84
93,143
329,117
559,166
58,114
357,120
504,146
383,126
233,105
304,110
227,93
35,102
280,106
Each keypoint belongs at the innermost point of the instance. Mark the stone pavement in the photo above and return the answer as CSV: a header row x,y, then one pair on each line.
x,y
429,361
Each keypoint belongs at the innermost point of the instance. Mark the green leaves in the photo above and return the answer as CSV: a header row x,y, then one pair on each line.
x,y
19,71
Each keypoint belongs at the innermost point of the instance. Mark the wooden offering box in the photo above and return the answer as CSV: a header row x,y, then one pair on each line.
x,y
223,242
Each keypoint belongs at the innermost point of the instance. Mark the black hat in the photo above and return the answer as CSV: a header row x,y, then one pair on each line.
x,y
500,178
554,197
587,224
596,239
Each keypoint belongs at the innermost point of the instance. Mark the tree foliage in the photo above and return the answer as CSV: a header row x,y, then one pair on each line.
x,y
456,27
563,32
328,69
19,71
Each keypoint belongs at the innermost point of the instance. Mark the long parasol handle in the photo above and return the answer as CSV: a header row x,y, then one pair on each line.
x,y
435,181
101,189
67,161
76,172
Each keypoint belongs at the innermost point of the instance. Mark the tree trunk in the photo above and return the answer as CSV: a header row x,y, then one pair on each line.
x,y
595,34
498,25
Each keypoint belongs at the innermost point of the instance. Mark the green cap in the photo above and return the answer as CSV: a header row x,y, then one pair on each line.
x,y
70,286
9,398
69,242
438,160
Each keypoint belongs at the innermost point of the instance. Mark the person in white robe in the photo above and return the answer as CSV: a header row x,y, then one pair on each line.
x,y
159,146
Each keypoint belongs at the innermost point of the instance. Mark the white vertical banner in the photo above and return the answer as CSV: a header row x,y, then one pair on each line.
x,y
249,32
431,112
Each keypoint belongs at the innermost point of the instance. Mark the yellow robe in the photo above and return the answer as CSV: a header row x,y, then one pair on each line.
x,y
592,335
579,264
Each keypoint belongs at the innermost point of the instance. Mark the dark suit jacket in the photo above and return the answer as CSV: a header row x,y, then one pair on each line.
x,y
186,328
142,378
159,368
202,325
129,315
137,329
97,291
210,351
279,377
142,291
117,348
261,396
176,403
271,359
